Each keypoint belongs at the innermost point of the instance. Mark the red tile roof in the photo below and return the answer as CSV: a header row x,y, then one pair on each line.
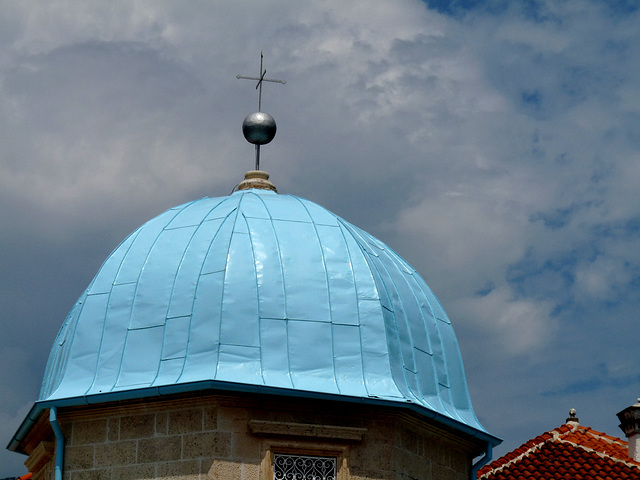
x,y
569,452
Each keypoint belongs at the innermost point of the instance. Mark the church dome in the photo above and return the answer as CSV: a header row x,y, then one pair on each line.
x,y
259,291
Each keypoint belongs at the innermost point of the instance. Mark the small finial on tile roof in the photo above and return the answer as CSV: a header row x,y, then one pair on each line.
x,y
572,417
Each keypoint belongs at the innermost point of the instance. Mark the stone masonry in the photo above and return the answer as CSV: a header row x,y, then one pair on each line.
x,y
233,437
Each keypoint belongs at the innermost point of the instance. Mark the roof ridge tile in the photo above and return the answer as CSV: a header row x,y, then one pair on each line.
x,y
534,444
628,461
533,454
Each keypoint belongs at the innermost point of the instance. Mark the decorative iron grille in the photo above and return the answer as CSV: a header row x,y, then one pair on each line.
x,y
298,467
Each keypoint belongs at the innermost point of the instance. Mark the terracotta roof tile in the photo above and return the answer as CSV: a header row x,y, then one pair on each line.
x,y
568,452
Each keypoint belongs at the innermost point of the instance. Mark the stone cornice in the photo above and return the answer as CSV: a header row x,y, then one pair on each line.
x,y
336,432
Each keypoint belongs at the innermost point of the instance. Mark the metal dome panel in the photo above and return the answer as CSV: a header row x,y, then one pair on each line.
x,y
265,290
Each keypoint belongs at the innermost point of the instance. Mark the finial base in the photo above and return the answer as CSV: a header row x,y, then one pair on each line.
x,y
573,419
257,179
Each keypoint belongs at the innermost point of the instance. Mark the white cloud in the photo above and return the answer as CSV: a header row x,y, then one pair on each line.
x,y
468,230
605,278
517,326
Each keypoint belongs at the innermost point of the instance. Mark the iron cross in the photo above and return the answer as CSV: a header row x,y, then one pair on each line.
x,y
260,80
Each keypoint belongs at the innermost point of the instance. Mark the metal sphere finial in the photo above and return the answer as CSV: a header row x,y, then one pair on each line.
x,y
259,128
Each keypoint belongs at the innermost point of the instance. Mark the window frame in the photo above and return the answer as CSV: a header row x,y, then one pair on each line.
x,y
270,448
328,464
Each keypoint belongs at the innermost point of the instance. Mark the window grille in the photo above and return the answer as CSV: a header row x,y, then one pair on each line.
x,y
298,467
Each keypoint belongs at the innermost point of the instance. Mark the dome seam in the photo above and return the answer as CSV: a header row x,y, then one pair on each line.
x,y
133,238
224,277
326,280
172,296
342,228
284,288
200,275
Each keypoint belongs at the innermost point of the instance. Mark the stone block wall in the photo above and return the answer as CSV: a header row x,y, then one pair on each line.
x,y
233,438
421,454
189,443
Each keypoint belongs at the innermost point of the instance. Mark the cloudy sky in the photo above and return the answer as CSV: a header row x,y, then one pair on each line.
x,y
494,144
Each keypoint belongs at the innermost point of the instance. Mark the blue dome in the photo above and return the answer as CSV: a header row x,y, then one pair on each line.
x,y
260,290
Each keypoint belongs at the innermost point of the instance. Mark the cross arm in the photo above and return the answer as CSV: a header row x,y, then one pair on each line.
x,y
263,79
